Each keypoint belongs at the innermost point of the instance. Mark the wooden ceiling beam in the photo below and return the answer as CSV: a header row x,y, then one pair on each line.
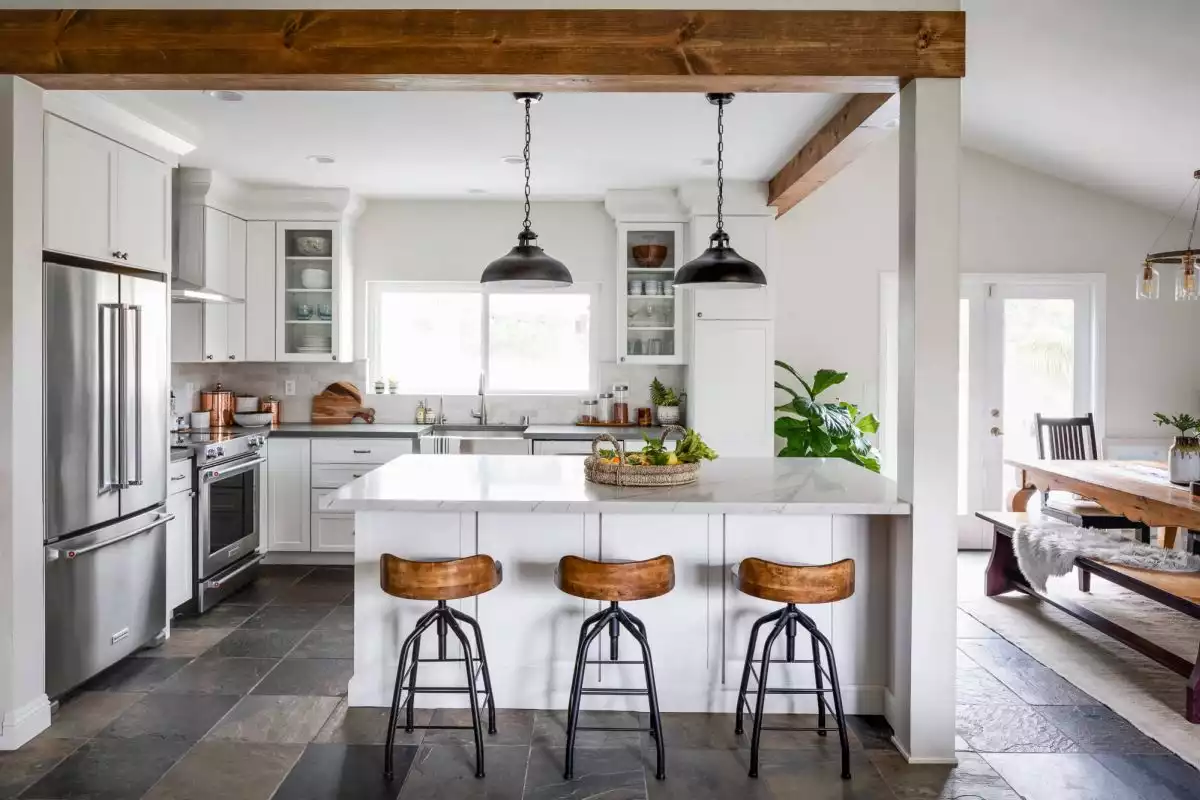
x,y
830,150
559,50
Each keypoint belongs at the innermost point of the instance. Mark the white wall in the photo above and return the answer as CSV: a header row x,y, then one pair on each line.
x,y
832,247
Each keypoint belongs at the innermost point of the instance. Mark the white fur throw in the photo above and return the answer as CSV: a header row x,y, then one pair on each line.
x,y
1047,549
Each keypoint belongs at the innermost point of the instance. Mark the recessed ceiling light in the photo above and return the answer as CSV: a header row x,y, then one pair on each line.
x,y
322,159
513,159
706,162
476,191
227,95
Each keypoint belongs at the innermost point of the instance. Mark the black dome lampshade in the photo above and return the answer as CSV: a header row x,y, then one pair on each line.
x,y
720,266
527,266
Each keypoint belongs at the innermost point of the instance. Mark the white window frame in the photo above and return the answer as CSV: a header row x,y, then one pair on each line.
x,y
376,289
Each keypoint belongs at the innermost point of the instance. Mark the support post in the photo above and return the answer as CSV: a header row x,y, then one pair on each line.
x,y
924,554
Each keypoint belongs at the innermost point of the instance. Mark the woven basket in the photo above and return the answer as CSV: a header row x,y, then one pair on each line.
x,y
597,471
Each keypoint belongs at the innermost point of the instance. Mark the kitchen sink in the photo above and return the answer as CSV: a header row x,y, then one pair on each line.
x,y
468,431
484,439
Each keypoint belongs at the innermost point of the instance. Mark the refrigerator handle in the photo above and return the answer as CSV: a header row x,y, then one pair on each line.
x,y
109,397
133,314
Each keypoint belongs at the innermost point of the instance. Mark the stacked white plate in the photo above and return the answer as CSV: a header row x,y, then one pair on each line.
x,y
314,343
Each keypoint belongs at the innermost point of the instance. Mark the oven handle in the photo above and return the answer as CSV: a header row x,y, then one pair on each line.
x,y
217,473
217,583
55,552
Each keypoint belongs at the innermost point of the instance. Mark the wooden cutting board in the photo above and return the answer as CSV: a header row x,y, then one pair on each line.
x,y
339,404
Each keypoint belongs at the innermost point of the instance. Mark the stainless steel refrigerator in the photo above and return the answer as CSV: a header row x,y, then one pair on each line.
x,y
106,453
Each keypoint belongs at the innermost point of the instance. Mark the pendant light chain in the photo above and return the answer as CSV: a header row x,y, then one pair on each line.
x,y
1195,214
528,171
720,167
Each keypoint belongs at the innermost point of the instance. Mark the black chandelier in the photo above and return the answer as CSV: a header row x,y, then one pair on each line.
x,y
1187,282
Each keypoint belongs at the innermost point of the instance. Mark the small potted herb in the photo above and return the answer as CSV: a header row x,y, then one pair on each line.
x,y
666,403
1183,462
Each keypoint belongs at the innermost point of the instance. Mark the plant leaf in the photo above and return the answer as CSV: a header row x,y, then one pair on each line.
x,y
787,389
796,375
787,427
824,379
867,424
792,451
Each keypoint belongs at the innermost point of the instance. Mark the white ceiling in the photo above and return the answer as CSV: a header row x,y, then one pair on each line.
x,y
431,144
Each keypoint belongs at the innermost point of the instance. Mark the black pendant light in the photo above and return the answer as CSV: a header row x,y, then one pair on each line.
x,y
527,265
720,265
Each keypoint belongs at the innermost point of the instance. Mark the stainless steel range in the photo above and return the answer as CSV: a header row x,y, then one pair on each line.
x,y
228,472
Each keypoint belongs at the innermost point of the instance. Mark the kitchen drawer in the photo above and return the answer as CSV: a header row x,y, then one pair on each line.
x,y
331,477
333,533
179,476
317,494
359,451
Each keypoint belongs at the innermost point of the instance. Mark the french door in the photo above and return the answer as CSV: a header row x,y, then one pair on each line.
x,y
1027,346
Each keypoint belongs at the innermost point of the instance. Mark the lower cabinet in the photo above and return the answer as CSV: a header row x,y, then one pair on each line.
x,y
333,533
288,473
179,549
579,447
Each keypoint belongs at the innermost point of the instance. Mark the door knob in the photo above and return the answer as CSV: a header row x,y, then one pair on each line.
x,y
996,431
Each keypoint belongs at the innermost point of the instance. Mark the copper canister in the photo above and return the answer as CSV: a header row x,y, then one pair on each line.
x,y
272,405
218,403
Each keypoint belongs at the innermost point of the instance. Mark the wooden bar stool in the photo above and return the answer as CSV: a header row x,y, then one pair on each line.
x,y
440,581
614,582
792,584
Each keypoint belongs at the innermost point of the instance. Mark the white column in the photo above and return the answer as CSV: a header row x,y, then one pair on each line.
x,y
24,710
925,547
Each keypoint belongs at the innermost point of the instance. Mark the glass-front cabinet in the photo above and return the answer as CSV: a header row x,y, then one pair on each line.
x,y
309,310
649,316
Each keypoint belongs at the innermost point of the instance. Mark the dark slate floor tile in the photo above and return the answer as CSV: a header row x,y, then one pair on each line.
x,y
807,741
88,713
172,717
109,769
326,643
1096,729
971,628
369,726
341,618
513,726
705,774
1030,680
550,729
872,731
974,685
215,675
244,643
817,776
226,615
22,768
344,772
447,772
317,592
971,778
227,771
1165,777
343,575
1010,729
284,572
272,719
186,643
1059,776
136,674
611,773
326,677
303,618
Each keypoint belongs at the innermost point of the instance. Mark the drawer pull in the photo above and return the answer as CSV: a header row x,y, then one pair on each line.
x,y
179,477
362,452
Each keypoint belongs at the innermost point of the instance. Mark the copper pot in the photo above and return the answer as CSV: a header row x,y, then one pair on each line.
x,y
272,406
218,403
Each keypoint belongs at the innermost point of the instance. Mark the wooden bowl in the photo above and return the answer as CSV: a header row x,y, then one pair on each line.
x,y
649,255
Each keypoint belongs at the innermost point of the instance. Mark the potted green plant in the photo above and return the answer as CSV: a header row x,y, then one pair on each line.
x,y
824,430
666,403
1183,461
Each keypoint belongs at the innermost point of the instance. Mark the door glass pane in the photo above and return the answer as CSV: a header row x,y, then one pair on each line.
x,y
1039,371
231,510
964,404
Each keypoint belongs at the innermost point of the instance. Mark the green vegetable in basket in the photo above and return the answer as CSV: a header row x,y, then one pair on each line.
x,y
654,452
692,449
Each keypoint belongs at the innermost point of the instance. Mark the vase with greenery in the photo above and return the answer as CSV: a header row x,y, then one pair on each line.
x,y
666,403
824,430
1183,461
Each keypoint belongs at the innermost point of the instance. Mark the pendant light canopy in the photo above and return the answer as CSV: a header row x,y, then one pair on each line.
x,y
720,265
1187,280
527,265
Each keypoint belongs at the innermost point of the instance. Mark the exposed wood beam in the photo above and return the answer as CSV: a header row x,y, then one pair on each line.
x,y
563,50
832,148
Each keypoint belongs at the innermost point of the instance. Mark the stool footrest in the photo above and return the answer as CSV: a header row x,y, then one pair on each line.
x,y
607,728
758,681
605,662
615,692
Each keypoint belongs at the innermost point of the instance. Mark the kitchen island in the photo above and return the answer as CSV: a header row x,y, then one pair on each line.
x,y
527,512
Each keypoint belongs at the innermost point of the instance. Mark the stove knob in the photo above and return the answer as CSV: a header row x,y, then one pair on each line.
x,y
220,451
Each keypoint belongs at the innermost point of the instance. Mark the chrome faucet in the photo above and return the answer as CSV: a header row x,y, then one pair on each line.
x,y
481,414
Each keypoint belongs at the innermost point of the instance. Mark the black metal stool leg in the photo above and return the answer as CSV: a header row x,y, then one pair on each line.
x,y
761,699
448,620
837,693
791,637
483,663
586,637
614,636
410,706
388,756
441,631
820,679
741,701
638,630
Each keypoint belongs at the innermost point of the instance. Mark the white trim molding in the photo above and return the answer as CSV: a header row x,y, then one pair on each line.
x,y
22,724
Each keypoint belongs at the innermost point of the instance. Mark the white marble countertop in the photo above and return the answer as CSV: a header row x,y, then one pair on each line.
x,y
586,433
381,430
555,484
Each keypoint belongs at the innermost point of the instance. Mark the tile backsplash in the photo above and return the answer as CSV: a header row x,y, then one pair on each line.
x,y
264,379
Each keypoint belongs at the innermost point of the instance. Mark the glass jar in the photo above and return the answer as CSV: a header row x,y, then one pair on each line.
x,y
605,407
588,410
620,394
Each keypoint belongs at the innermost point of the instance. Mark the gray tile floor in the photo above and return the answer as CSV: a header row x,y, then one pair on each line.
x,y
247,703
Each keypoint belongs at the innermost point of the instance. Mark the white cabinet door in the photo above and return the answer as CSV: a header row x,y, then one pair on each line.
x,y
260,291
730,395
288,467
236,312
748,236
141,218
179,550
566,447
187,332
333,533
216,332
78,190
216,249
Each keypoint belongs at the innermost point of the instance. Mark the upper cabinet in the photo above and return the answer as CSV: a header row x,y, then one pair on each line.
x,y
748,236
103,200
212,331
649,318
312,293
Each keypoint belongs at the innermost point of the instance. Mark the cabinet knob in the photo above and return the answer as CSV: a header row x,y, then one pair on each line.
x,y
116,254
699,314
335,358
233,358
622,358
210,358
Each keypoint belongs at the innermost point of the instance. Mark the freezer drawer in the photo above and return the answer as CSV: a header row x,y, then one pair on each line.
x,y
105,597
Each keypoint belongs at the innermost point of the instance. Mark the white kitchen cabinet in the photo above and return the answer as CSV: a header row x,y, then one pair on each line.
x,y
179,548
214,331
730,386
333,533
748,236
583,447
359,451
649,310
103,200
312,301
260,291
288,472
236,286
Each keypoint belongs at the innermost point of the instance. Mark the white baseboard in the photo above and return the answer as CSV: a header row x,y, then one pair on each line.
x,y
311,559
20,725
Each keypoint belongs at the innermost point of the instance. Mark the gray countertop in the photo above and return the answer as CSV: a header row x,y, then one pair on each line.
x,y
587,433
305,430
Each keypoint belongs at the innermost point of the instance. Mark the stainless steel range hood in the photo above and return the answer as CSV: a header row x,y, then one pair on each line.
x,y
190,262
187,292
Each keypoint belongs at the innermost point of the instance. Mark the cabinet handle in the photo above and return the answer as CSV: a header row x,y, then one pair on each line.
x,y
210,358
233,358
178,477
362,452
116,254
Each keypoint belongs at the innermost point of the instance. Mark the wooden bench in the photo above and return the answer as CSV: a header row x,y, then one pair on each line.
x,y
1176,590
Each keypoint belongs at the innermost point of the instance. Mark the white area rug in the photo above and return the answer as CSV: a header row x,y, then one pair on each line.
x,y
1151,697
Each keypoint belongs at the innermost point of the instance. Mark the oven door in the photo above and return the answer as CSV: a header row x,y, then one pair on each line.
x,y
227,514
